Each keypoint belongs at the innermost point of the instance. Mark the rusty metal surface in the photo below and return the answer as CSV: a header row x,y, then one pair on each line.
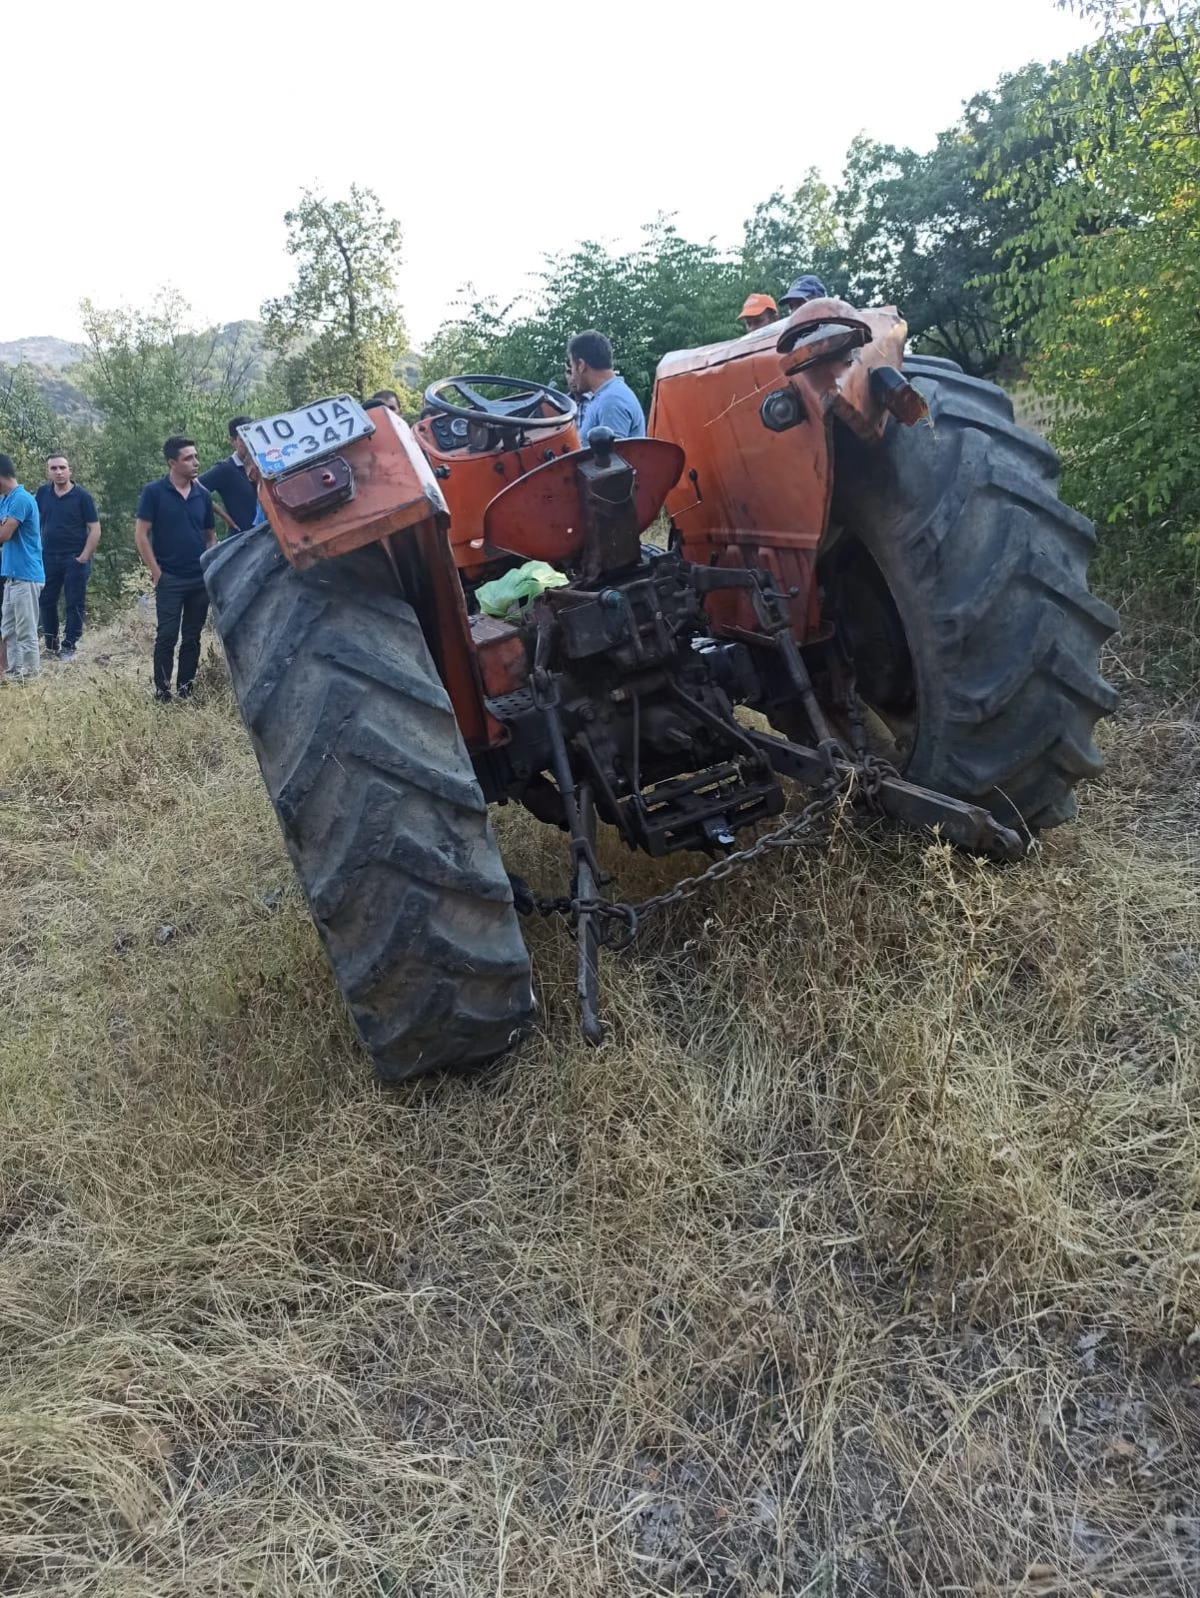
x,y
393,488
611,521
503,664
428,579
319,488
751,497
970,826
470,480
543,516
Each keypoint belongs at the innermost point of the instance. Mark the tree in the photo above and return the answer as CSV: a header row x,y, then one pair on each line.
x,y
339,327
28,429
1108,269
666,293
788,234
929,231
150,374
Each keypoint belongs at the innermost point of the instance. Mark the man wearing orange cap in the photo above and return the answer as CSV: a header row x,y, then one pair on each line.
x,y
758,310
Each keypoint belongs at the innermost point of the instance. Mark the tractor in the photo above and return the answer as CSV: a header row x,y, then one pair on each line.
x,y
861,548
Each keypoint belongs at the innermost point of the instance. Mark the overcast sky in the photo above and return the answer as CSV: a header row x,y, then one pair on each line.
x,y
153,145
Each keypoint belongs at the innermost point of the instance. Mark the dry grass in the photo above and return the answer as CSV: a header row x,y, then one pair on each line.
x,y
863,1259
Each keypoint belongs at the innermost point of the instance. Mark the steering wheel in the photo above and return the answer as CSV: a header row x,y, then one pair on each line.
x,y
517,411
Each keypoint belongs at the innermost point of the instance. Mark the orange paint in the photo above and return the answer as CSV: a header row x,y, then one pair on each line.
x,y
471,479
394,488
541,516
755,498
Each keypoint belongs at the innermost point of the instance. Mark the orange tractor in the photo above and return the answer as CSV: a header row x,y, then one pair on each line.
x,y
863,549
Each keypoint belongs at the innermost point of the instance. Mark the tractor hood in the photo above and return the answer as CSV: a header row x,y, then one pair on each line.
x,y
765,338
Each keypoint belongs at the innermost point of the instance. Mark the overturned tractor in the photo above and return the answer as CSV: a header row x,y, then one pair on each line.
x,y
864,549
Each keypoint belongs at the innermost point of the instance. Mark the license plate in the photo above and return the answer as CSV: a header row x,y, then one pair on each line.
x,y
279,443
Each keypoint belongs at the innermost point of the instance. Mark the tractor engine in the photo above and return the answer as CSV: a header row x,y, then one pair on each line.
x,y
623,682
616,680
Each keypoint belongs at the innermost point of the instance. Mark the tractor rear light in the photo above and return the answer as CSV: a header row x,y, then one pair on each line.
x,y
320,488
906,404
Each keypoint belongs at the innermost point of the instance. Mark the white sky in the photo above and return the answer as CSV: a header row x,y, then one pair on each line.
x,y
153,144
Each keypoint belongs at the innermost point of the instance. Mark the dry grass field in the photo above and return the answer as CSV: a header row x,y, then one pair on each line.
x,y
863,1259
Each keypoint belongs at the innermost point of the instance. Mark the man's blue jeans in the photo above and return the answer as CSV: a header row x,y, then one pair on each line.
x,y
63,574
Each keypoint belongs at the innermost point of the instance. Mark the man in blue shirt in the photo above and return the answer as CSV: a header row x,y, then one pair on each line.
x,y
175,525
607,399
70,533
23,573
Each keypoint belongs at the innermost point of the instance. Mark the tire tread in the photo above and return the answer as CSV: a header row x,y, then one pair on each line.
x,y
989,570
380,809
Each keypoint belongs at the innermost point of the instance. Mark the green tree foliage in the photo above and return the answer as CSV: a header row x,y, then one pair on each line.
x,y
1108,269
789,234
665,294
339,327
923,231
150,374
927,231
28,428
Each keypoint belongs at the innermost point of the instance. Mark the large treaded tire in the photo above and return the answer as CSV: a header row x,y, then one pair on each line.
x,y
987,570
373,787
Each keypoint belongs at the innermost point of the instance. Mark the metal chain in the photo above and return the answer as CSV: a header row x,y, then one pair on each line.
x,y
625,919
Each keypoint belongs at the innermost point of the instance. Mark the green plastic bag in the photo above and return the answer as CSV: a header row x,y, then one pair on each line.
x,y
518,588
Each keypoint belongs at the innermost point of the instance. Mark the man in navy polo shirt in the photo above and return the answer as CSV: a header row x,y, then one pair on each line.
x,y
228,479
70,533
175,525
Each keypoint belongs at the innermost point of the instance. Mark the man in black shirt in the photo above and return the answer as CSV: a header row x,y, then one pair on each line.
x,y
70,533
228,479
175,525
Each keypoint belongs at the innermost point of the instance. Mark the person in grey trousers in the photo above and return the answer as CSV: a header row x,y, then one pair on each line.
x,y
23,572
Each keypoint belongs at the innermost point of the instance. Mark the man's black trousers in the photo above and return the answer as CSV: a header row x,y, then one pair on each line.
x,y
63,574
182,605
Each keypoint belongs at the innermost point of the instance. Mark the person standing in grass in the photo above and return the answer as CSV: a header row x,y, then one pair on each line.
x,y
70,533
21,566
228,479
175,525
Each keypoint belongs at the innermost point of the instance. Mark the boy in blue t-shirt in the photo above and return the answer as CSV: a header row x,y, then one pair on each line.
x,y
23,573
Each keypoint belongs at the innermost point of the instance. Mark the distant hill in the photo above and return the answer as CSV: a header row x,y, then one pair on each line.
x,y
237,345
242,343
60,395
44,350
52,359
63,397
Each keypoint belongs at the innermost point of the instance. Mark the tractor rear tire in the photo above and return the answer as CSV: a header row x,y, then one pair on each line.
x,y
382,815
965,577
